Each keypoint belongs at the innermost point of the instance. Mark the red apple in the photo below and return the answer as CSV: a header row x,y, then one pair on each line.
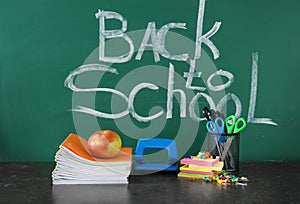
x,y
104,144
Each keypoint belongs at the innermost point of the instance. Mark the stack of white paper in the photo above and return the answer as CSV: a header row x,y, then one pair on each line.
x,y
75,165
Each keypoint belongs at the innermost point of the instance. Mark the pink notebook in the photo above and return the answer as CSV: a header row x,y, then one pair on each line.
x,y
200,162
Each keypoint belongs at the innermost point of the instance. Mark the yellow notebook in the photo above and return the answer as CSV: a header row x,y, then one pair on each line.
x,y
196,176
217,167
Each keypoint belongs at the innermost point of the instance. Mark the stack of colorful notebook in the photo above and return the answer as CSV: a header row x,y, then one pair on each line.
x,y
196,168
75,165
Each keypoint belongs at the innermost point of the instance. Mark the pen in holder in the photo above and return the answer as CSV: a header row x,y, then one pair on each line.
x,y
227,149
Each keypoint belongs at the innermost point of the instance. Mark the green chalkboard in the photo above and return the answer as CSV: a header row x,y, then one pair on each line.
x,y
50,61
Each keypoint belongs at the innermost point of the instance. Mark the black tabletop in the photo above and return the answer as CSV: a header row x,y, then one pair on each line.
x,y
270,182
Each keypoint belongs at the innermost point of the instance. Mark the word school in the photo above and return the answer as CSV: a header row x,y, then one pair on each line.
x,y
158,47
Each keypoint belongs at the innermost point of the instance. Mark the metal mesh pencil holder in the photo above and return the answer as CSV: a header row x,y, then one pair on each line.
x,y
227,147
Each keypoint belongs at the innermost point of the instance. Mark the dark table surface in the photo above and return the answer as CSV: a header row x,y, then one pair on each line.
x,y
271,182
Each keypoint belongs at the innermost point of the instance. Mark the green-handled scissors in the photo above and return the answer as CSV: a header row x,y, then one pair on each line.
x,y
233,125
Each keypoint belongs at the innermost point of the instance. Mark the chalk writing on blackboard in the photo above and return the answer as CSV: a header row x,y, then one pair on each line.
x,y
205,38
156,41
253,95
